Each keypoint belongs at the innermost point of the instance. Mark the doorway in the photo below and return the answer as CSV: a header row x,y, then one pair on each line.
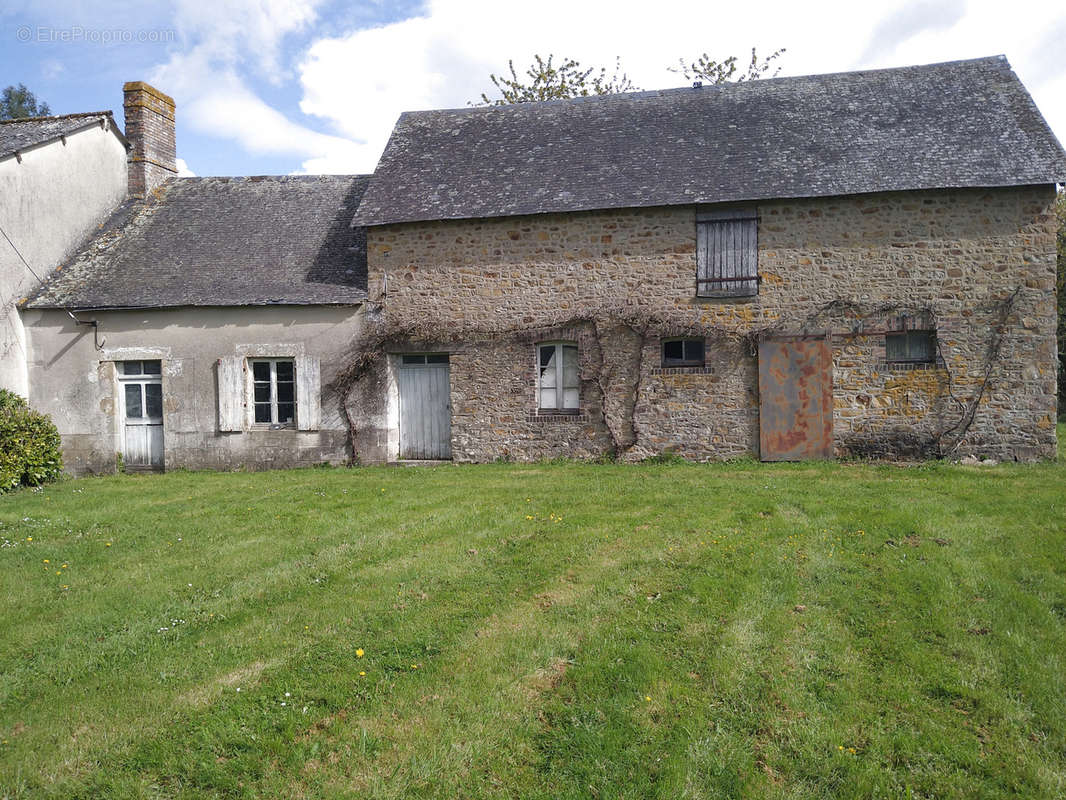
x,y
141,393
425,406
795,399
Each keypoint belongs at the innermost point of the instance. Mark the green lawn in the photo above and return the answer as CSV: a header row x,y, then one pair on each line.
x,y
552,630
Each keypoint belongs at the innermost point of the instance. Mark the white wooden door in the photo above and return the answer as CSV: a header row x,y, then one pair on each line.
x,y
425,407
141,393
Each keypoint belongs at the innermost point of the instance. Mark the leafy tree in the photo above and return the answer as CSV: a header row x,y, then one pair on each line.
x,y
18,102
706,70
1060,286
544,80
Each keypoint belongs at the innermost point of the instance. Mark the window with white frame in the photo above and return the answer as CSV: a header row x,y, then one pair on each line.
x,y
142,388
273,391
558,383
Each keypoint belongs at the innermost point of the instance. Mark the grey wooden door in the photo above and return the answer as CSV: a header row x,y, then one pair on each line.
x,y
425,407
141,390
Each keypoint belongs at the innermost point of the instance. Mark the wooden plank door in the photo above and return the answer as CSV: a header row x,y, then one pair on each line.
x,y
795,399
425,407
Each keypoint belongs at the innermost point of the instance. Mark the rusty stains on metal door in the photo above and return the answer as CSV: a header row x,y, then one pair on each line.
x,y
795,398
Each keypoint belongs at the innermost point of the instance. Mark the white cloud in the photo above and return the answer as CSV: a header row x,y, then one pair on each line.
x,y
218,102
361,82
251,31
183,169
207,80
357,84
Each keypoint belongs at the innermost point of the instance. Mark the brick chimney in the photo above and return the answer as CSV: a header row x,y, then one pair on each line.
x,y
150,130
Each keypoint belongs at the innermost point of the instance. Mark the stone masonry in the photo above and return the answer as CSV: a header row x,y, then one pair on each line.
x,y
856,266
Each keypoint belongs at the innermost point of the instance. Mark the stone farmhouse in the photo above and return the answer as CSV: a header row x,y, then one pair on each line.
x,y
850,265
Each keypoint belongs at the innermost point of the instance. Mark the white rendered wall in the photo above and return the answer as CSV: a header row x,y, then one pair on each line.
x,y
50,202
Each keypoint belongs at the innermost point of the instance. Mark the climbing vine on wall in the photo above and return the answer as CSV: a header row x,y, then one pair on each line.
x,y
621,389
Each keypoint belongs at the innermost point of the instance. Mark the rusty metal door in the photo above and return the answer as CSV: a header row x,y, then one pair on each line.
x,y
795,399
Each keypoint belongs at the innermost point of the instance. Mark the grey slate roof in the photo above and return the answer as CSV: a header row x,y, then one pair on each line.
x,y
957,124
222,242
19,134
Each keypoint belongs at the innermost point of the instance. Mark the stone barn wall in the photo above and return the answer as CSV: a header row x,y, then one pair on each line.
x,y
490,289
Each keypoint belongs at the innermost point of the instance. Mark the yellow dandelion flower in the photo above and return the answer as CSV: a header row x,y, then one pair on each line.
x,y
29,538
59,572
46,561
64,566
359,653
108,544
362,674
647,698
840,747
414,666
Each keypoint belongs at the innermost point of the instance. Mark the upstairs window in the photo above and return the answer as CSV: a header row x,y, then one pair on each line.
x,y
910,347
683,353
273,391
727,253
558,383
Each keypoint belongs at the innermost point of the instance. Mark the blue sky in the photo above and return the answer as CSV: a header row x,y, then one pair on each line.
x,y
281,86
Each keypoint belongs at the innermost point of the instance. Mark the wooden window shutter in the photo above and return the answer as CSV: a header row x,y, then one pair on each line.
x,y
727,253
231,393
308,394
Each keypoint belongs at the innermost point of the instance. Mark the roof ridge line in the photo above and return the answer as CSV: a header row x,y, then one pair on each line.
x,y
727,84
76,115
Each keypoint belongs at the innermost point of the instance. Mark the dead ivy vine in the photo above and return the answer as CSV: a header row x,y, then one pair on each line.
x,y
623,429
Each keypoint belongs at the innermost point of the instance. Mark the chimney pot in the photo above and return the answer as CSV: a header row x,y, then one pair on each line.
x,y
150,131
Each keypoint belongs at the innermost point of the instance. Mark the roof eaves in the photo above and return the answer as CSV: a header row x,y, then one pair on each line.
x,y
97,118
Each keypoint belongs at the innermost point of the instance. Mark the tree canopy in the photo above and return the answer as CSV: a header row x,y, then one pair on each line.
x,y
706,70
18,102
544,79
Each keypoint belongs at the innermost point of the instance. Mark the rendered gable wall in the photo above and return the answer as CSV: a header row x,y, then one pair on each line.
x,y
49,204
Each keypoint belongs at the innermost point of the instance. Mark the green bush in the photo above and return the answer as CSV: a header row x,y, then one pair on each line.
x,y
29,444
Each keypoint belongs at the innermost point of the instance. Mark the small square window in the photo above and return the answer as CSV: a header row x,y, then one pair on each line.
x,y
683,353
910,347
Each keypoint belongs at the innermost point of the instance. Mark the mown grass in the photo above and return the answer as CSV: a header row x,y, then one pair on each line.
x,y
674,630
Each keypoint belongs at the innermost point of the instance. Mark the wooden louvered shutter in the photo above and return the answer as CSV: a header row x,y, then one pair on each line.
x,y
727,253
